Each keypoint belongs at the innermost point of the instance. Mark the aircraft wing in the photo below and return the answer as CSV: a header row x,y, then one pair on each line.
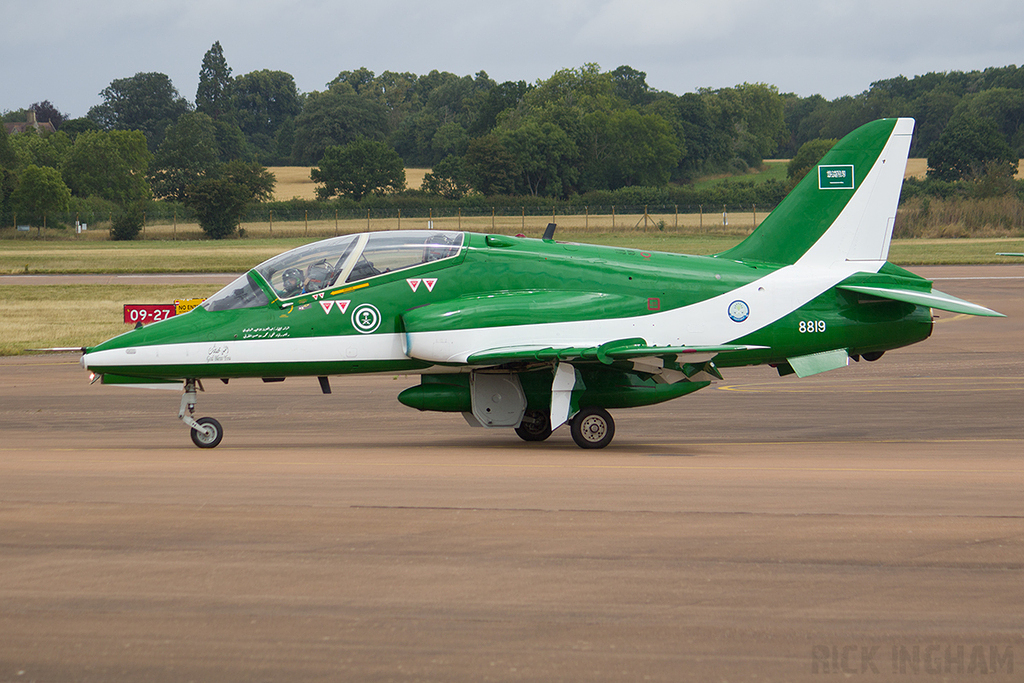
x,y
623,349
932,299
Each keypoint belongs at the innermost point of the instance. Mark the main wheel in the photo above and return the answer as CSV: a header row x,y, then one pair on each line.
x,y
535,426
210,440
592,428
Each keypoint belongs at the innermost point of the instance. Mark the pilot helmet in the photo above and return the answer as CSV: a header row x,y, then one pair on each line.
x,y
291,280
316,276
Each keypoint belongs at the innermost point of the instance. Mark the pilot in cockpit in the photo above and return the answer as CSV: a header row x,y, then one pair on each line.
x,y
317,277
291,282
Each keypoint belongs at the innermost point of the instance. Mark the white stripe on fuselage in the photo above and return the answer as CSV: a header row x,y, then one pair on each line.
x,y
704,323
352,347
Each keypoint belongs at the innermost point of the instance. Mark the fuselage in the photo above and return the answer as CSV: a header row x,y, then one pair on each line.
x,y
489,291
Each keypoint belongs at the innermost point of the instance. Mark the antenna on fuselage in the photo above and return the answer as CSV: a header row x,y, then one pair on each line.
x,y
549,232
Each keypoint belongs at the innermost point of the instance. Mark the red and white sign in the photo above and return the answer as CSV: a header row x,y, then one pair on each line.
x,y
147,313
428,281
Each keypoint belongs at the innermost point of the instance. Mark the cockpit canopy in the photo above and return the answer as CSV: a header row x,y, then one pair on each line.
x,y
337,261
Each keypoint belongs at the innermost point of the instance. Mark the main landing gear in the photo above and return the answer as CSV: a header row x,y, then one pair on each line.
x,y
590,428
206,431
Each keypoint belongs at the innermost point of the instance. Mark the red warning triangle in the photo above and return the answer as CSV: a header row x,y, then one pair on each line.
x,y
414,283
430,282
342,306
327,306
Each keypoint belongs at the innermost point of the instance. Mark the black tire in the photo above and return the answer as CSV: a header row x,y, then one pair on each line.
x,y
211,441
592,428
535,426
872,356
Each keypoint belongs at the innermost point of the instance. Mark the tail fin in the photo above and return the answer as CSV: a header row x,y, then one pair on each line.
x,y
844,209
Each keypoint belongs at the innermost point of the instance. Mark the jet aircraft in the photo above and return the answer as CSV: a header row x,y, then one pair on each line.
x,y
531,334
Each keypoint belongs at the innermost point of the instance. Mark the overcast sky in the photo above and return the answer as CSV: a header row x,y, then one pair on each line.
x,y
67,51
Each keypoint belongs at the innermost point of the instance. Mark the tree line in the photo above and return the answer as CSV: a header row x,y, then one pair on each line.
x,y
580,132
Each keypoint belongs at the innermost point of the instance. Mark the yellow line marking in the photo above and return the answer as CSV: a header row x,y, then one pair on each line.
x,y
350,289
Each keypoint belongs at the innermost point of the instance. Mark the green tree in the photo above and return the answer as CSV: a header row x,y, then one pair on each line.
x,y
500,98
546,157
755,114
264,102
8,179
218,204
1005,107
449,106
256,180
333,118
449,178
188,153
490,167
127,222
358,169
806,158
147,101
75,127
970,148
49,149
631,86
359,80
109,164
628,147
220,195
46,112
41,192
213,96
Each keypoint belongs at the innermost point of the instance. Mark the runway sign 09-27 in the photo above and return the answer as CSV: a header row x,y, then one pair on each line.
x,y
151,313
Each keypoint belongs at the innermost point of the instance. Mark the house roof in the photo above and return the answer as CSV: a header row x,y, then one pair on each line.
x,y
21,127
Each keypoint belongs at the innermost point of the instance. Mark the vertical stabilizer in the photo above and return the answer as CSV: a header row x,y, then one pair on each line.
x,y
844,209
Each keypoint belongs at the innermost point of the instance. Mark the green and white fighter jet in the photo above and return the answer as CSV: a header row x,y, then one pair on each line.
x,y
531,334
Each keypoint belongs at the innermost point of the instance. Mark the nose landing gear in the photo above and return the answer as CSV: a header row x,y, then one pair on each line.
x,y
206,431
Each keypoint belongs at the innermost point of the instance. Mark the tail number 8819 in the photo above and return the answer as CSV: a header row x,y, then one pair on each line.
x,y
810,326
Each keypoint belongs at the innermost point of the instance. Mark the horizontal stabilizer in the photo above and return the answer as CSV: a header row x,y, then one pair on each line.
x,y
606,353
932,299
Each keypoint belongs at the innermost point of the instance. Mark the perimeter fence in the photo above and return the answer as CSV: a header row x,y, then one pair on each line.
x,y
319,220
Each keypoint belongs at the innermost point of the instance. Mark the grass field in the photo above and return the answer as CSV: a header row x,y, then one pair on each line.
x,y
75,315
234,256
294,182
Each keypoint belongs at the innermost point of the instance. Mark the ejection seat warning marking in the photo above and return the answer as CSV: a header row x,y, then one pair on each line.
x,y
429,282
835,177
328,305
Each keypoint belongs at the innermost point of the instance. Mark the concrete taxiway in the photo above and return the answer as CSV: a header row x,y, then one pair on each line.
x,y
866,522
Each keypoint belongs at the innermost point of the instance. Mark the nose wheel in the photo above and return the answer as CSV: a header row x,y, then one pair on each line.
x,y
206,431
212,435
